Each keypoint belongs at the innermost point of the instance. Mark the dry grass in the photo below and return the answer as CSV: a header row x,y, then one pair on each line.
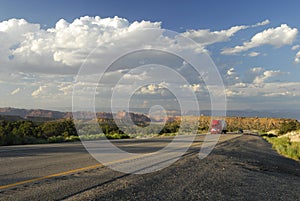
x,y
249,123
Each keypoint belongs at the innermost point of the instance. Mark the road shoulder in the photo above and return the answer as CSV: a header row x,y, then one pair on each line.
x,y
244,168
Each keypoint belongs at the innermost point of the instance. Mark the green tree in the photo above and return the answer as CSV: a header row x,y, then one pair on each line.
x,y
288,127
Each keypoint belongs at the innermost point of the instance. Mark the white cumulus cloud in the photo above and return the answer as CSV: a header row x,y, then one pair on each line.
x,y
267,74
279,36
256,69
276,94
231,71
17,90
263,23
193,87
207,37
297,58
295,47
253,54
37,92
233,92
259,75
153,88
63,48
267,90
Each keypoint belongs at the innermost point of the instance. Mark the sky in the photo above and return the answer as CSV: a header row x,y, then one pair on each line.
x,y
254,46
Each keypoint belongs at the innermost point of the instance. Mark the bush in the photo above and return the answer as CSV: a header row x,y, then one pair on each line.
x,y
285,147
92,137
103,136
170,127
58,128
72,138
117,136
288,127
56,139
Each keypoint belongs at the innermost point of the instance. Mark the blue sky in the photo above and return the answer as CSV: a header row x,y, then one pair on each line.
x,y
254,44
213,14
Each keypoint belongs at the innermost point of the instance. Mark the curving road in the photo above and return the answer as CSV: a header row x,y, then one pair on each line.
x,y
238,168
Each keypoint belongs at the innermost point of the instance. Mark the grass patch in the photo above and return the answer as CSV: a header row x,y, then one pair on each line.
x,y
92,137
56,139
169,134
104,136
117,136
72,138
285,147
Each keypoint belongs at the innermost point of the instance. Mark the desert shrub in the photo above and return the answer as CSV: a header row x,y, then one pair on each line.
x,y
72,138
103,136
56,139
285,147
117,136
288,127
92,137
57,128
170,127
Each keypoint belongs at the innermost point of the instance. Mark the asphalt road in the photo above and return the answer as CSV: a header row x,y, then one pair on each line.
x,y
239,168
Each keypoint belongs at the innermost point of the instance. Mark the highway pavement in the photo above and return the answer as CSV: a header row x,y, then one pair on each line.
x,y
68,171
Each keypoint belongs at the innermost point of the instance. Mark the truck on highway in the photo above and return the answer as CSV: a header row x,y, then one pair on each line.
x,y
218,127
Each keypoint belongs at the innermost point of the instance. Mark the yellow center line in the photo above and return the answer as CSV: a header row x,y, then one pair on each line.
x,y
84,168
51,176
73,171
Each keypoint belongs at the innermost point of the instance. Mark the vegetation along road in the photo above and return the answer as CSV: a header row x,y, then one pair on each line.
x,y
241,167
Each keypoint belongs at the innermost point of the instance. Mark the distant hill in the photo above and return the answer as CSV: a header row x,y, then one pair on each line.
x,y
290,114
11,114
41,115
34,113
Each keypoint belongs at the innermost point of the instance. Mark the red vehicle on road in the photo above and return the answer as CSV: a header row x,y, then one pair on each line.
x,y
218,127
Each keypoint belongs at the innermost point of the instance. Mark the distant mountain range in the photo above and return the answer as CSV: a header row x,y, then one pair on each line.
x,y
13,114
45,115
290,114
34,113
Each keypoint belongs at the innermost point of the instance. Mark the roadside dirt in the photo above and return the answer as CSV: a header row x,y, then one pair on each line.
x,y
294,136
245,168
